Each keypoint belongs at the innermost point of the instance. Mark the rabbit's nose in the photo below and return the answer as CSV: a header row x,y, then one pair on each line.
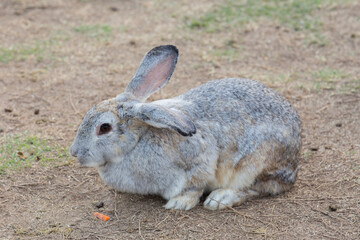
x,y
73,151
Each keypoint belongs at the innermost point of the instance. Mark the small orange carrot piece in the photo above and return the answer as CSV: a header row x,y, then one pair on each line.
x,y
101,216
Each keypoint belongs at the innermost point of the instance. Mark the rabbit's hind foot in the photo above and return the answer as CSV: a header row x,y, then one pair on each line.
x,y
222,198
185,201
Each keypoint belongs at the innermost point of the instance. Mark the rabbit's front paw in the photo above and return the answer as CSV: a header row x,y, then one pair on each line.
x,y
222,198
183,202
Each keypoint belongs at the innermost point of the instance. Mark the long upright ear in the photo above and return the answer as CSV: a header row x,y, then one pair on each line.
x,y
158,116
154,71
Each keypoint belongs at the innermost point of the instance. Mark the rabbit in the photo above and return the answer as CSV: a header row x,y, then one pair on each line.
x,y
233,139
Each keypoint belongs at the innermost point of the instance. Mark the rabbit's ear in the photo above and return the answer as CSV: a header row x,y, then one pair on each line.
x,y
158,116
154,72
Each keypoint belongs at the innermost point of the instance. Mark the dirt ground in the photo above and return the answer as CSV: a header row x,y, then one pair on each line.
x,y
62,57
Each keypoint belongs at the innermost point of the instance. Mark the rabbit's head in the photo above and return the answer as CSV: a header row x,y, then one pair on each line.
x,y
112,128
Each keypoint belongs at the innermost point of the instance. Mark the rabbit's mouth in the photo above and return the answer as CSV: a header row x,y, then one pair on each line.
x,y
89,162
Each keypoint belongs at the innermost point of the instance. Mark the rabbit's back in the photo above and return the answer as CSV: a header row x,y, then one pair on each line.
x,y
244,100
243,115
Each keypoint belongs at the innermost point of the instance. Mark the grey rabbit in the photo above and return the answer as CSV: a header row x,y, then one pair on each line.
x,y
232,138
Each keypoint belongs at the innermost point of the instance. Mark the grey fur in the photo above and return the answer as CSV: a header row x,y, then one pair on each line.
x,y
237,138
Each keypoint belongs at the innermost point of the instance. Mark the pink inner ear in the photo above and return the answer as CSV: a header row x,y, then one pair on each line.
x,y
155,78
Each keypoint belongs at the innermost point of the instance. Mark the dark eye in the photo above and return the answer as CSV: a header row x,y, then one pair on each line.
x,y
104,128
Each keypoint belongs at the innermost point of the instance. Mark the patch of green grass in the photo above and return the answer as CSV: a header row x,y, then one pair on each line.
x,y
356,166
353,85
317,39
94,31
307,155
289,77
327,78
230,50
297,14
322,79
21,151
39,50
225,52
329,75
22,52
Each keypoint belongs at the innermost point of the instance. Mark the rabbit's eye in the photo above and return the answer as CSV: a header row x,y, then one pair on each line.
x,y
104,128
